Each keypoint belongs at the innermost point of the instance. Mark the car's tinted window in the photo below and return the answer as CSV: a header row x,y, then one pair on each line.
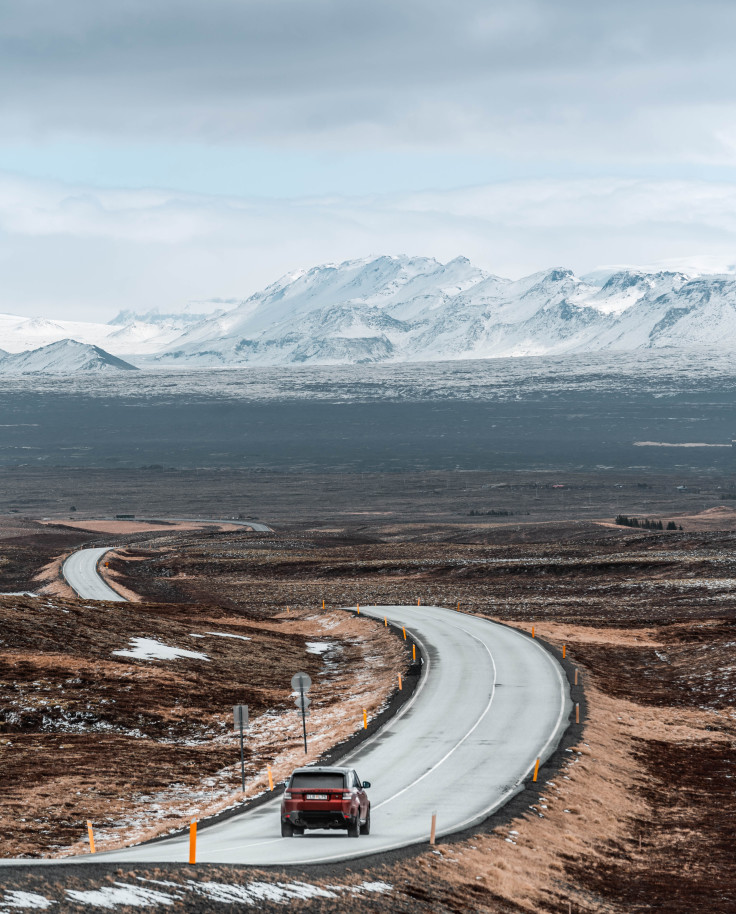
x,y
317,779
356,780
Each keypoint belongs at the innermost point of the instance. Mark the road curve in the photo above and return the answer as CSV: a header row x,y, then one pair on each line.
x,y
491,701
250,524
80,568
80,573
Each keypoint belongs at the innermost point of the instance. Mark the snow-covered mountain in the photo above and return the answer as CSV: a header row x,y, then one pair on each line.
x,y
128,333
396,308
416,309
64,357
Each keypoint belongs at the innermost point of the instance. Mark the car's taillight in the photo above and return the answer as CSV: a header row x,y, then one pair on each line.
x,y
287,794
347,796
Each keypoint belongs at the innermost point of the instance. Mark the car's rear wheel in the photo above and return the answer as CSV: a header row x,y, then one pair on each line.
x,y
354,827
366,829
287,829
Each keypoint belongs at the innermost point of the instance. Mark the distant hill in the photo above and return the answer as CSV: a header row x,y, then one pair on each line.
x,y
65,357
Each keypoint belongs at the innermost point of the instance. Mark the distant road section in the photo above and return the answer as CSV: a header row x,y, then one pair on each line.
x,y
251,524
80,573
80,569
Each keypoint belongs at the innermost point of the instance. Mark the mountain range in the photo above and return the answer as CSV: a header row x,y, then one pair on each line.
x,y
404,309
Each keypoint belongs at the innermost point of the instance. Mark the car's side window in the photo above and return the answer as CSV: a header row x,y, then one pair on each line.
x,y
356,780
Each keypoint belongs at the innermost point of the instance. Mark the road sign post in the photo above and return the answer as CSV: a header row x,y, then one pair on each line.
x,y
240,713
301,682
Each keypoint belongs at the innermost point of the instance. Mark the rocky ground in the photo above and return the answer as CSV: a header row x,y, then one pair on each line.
x,y
637,817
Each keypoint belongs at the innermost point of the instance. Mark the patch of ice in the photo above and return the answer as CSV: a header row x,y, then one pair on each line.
x,y
227,635
14,900
150,649
317,647
134,896
19,593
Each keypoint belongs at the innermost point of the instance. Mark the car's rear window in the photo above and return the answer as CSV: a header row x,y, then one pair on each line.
x,y
317,779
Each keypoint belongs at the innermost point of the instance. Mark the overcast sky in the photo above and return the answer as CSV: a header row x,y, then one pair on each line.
x,y
156,153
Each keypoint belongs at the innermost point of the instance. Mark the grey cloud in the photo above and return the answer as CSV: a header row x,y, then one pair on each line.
x,y
564,77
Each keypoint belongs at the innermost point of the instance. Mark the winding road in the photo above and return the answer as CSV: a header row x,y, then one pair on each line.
x,y
80,568
490,702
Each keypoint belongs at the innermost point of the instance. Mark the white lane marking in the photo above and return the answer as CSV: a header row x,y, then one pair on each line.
x,y
240,847
422,683
556,668
458,744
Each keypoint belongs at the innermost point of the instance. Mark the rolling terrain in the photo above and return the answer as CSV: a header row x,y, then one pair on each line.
x,y
636,815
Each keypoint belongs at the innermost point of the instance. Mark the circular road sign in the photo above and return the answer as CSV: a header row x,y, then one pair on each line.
x,y
300,681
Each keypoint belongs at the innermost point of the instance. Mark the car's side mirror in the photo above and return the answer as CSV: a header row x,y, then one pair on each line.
x,y
366,784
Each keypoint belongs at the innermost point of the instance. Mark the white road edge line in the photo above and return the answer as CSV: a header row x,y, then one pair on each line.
x,y
458,744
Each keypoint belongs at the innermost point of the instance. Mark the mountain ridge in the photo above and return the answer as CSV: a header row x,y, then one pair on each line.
x,y
396,308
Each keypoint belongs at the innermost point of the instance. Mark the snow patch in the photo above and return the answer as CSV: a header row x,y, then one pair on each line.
x,y
150,649
134,896
14,901
317,647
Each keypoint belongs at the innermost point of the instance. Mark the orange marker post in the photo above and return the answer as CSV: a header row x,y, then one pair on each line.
x,y
403,629
270,777
91,837
399,682
413,652
458,607
365,719
323,604
193,842
577,714
536,770
576,677
385,622
532,631
433,829
358,607
418,601
563,651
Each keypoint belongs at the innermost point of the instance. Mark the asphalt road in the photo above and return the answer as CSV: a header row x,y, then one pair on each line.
x,y
250,524
80,573
491,701
80,569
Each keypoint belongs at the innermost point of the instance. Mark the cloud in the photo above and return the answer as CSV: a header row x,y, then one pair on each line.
x,y
81,252
610,82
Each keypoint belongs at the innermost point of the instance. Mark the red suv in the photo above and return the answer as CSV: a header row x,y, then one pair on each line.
x,y
325,798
